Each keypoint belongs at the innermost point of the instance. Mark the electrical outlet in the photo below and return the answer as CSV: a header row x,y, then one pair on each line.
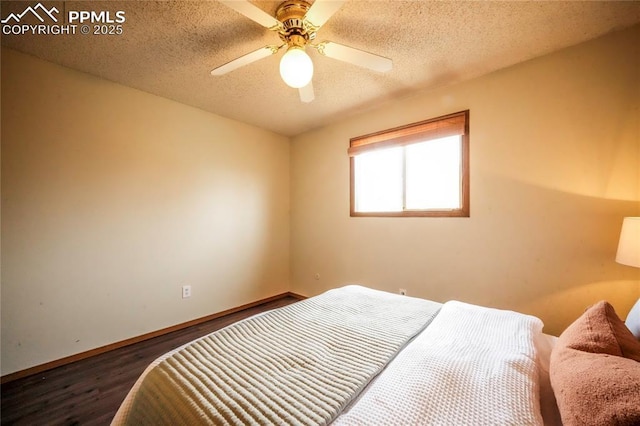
x,y
402,291
186,291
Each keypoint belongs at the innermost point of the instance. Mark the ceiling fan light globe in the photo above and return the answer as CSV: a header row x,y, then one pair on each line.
x,y
296,67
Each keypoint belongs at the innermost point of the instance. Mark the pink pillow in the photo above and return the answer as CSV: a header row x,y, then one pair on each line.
x,y
595,370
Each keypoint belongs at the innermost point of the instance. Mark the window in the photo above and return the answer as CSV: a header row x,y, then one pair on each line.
x,y
421,169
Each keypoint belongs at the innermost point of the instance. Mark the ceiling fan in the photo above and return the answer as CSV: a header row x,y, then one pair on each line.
x,y
297,23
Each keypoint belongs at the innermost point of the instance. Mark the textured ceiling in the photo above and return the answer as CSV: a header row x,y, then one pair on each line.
x,y
169,47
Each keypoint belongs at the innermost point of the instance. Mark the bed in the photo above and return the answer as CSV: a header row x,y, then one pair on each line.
x,y
355,356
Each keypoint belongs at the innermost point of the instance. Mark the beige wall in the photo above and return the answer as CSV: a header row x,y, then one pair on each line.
x,y
112,199
555,166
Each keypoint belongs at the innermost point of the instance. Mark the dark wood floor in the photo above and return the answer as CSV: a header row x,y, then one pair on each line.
x,y
89,392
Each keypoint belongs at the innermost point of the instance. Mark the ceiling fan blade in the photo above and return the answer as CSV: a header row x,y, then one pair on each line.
x,y
254,13
321,11
354,56
306,93
243,60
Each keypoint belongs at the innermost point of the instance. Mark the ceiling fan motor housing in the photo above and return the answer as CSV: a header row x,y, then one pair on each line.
x,y
295,31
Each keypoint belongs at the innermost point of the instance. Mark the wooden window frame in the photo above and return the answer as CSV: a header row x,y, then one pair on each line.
x,y
456,124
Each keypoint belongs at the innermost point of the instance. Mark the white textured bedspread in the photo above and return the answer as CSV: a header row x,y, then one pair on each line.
x,y
471,366
301,364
